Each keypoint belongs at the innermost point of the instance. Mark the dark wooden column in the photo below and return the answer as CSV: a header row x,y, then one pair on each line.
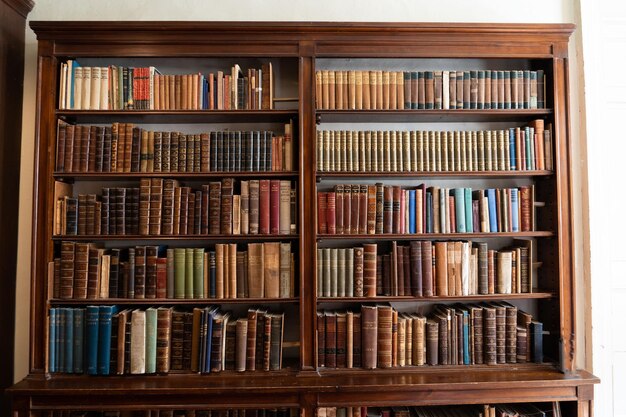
x,y
12,27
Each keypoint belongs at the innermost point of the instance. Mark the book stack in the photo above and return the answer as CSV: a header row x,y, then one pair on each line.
x,y
447,90
183,412
124,147
352,209
87,271
516,149
145,88
486,410
106,340
425,269
163,207
381,337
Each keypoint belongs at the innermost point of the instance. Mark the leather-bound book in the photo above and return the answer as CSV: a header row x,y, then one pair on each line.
x,y
511,333
427,269
359,271
387,275
536,342
285,270
285,207
526,204
369,272
394,338
140,273
476,329
167,218
151,271
331,339
379,208
341,340
396,219
491,271
379,275
245,208
276,341
349,339
271,273
401,346
432,342
398,269
275,207
441,267
500,332
330,213
321,339
256,267
226,208
322,227
369,334
524,319
215,198
384,349
356,341
164,323
388,209
371,210
339,202
94,272
483,269
522,344
347,209
230,348
489,336
241,344
416,268
406,255
254,207
442,320
177,336
161,278
331,89
363,205
264,207
251,340
354,209
156,206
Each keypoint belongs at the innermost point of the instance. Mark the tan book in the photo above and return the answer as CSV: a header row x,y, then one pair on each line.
x,y
318,90
379,91
419,340
441,268
285,207
271,269
384,87
345,85
400,90
393,90
331,89
138,342
325,90
236,214
256,269
232,271
373,76
338,90
358,93
351,90
365,77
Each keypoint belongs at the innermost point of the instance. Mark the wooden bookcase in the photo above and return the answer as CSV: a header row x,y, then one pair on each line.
x,y
303,48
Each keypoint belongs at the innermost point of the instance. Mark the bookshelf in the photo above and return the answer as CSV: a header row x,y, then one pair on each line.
x,y
297,51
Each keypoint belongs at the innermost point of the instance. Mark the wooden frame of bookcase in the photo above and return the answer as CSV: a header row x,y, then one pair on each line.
x,y
307,42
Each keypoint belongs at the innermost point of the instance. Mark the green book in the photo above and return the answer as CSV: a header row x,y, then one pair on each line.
x,y
151,339
198,273
179,273
189,273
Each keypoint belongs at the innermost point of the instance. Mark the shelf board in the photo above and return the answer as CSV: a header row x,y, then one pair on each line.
x,y
439,174
177,116
185,238
422,236
103,176
395,116
174,302
503,367
465,298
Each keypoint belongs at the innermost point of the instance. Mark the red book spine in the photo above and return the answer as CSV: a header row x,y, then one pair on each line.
x,y
397,192
363,205
264,207
274,207
330,213
161,278
339,209
321,212
427,268
347,209
354,210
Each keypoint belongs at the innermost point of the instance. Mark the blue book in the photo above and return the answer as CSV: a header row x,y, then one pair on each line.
x,y
459,209
92,317
466,347
61,340
72,75
69,340
469,223
412,227
514,210
104,339
493,217
52,340
208,323
429,212
512,148
79,340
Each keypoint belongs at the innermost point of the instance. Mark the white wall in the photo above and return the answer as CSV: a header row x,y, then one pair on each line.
x,y
539,11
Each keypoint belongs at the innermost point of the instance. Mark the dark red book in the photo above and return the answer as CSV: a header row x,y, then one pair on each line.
x,y
161,278
321,340
397,200
427,268
402,227
330,213
322,207
416,268
215,198
347,209
331,339
339,209
274,207
226,223
264,207
388,209
354,209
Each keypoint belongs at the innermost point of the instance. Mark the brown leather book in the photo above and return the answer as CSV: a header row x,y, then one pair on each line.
x,y
491,271
85,138
325,90
386,274
164,323
321,339
396,205
226,207
354,209
156,205
318,90
271,269
285,207
167,218
94,274
438,89
401,347
230,346
476,329
254,207
385,87
397,270
511,333
524,319
331,339
416,268
349,339
339,203
81,270
341,361
522,345
500,332
369,272
370,211
483,269
526,204
369,335
264,207
285,282
358,268
251,340
363,207
385,324
347,209
338,89
365,78
267,334
441,267
388,209
151,261
275,207
427,269
373,90
357,342
489,336
332,75
379,208
256,268
432,342
215,198
241,338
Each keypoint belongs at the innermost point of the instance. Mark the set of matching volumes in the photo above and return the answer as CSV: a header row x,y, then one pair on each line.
x,y
425,269
103,340
486,410
124,148
461,334
87,271
380,209
447,90
244,412
163,207
145,88
515,149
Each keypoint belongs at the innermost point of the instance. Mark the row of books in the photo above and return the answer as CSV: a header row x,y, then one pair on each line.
x,y
87,271
145,88
163,207
377,209
401,90
425,269
516,149
104,340
486,410
181,412
124,147
381,337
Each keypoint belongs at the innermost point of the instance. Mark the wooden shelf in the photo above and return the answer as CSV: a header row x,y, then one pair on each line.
x,y
405,116
173,302
439,174
441,236
410,299
180,238
178,116
119,176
